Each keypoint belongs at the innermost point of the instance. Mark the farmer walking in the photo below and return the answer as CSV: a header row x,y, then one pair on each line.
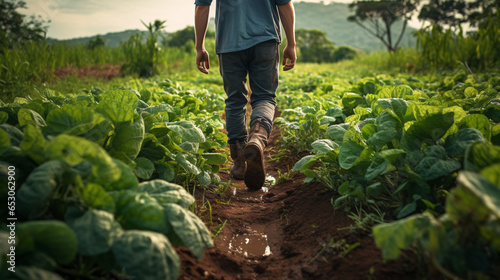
x,y
247,43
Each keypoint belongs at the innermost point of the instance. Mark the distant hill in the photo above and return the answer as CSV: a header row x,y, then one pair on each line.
x,y
112,39
331,18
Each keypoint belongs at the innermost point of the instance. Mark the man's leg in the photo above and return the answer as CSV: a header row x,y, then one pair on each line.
x,y
263,72
234,71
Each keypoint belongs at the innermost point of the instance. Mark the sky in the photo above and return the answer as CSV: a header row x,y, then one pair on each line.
x,y
82,18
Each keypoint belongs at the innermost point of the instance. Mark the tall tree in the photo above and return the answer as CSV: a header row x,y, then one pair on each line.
x,y
15,28
377,17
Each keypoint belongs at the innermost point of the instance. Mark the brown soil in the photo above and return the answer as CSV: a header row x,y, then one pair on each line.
x,y
297,222
106,71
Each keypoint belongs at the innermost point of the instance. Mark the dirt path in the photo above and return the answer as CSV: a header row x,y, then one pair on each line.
x,y
289,231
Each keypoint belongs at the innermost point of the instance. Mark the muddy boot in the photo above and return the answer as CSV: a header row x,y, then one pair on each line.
x,y
239,165
255,175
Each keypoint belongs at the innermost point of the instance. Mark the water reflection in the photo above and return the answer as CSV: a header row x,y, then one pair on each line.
x,y
252,244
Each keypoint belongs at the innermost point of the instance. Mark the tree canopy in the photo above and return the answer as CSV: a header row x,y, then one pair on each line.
x,y
377,17
15,28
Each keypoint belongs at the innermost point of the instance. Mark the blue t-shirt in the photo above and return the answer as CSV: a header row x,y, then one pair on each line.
x,y
242,24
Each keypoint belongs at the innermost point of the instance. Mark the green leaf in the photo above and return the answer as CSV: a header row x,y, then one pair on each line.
x,y
401,91
27,116
139,211
96,197
214,158
188,166
5,142
481,155
377,167
166,193
479,122
34,196
154,257
349,154
127,141
431,168
16,135
408,231
396,105
126,181
189,228
74,150
492,173
337,132
187,130
427,130
70,119
324,145
34,143
95,231
304,163
101,129
165,172
118,105
352,100
204,178
53,238
4,117
483,189
457,143
144,168
470,92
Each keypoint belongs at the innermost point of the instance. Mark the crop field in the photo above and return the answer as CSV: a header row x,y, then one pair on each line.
x,y
372,175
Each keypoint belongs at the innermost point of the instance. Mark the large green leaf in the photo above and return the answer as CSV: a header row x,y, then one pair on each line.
x,y
139,211
126,181
396,105
166,193
144,168
377,167
349,153
492,173
481,155
74,150
70,119
153,256
427,130
96,197
189,229
118,105
408,231
95,231
34,196
431,168
337,132
214,158
483,189
304,163
27,116
401,91
479,122
457,143
127,141
53,238
324,145
34,143
187,130
101,129
186,164
16,135
352,100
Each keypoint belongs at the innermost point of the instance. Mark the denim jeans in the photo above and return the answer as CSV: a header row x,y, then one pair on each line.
x,y
261,63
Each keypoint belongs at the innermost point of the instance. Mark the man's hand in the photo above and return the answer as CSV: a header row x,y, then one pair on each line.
x,y
202,61
289,54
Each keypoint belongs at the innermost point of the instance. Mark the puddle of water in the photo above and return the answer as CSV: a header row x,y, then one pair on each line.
x,y
252,244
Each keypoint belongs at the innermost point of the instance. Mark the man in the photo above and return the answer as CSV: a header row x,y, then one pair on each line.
x,y
247,42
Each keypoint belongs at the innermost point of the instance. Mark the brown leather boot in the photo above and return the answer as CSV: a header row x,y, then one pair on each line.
x,y
239,165
255,175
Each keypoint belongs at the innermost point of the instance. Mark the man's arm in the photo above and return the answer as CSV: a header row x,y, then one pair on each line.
x,y
287,15
200,28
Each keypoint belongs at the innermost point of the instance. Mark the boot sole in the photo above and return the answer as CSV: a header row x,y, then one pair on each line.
x,y
255,175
